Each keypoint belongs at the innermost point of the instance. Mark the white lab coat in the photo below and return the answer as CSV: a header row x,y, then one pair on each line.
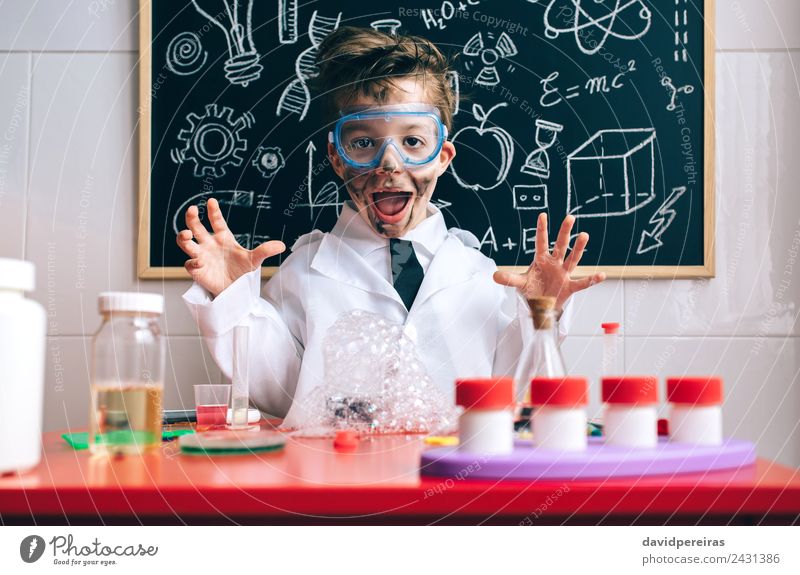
x,y
463,323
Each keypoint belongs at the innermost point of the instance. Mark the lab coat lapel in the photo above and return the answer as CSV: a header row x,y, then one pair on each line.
x,y
447,269
338,261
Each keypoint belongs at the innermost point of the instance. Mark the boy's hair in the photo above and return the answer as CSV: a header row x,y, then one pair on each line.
x,y
355,61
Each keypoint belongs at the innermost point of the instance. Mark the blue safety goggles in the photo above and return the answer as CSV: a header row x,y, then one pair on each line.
x,y
415,131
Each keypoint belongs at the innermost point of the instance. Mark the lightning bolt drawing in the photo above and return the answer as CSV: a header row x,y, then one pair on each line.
x,y
34,544
662,219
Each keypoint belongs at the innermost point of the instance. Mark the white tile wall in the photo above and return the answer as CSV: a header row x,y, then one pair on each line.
x,y
14,123
583,356
79,59
69,26
82,216
758,24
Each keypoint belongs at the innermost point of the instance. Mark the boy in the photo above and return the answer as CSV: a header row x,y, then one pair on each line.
x,y
390,107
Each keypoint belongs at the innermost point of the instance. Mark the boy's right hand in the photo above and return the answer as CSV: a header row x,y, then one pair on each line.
x,y
217,260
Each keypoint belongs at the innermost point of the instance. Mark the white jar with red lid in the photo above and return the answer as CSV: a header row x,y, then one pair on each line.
x,y
696,410
559,412
630,418
487,424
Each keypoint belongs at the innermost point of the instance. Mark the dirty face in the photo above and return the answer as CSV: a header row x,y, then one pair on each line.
x,y
392,198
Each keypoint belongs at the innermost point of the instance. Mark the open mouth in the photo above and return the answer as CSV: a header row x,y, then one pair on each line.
x,y
391,206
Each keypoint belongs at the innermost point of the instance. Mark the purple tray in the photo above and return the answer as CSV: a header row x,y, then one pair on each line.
x,y
598,461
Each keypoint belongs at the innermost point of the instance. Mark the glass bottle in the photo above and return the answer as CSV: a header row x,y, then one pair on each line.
x,y
128,354
541,357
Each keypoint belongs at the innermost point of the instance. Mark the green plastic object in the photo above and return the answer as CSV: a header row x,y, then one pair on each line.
x,y
80,440
231,442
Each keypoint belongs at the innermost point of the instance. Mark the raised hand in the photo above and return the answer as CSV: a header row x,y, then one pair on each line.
x,y
550,274
217,260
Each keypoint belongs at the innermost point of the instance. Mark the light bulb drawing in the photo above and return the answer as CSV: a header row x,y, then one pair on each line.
x,y
538,161
235,19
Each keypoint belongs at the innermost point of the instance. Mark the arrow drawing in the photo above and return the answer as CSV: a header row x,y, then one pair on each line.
x,y
328,195
662,219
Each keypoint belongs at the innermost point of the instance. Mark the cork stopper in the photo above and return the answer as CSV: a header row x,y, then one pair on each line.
x,y
542,311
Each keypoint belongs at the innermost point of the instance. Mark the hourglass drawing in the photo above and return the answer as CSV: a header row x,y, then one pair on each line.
x,y
538,162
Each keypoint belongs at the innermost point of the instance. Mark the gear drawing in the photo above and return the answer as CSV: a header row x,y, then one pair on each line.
x,y
268,160
213,140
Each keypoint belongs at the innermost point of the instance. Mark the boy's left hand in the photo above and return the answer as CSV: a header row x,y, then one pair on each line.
x,y
550,273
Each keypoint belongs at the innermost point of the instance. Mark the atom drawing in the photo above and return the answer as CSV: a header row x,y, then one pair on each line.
x,y
608,17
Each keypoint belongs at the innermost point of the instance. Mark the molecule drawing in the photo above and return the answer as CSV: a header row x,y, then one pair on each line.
x,y
621,19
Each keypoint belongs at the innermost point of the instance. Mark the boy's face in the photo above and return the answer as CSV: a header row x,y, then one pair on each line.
x,y
391,198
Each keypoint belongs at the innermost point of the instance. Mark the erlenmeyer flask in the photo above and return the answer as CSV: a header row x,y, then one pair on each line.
x,y
541,357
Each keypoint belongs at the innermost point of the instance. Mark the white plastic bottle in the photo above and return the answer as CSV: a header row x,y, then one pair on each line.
x,y
630,418
559,412
695,410
22,357
486,426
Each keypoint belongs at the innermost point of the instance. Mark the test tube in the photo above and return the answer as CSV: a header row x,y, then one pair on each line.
x,y
612,360
241,384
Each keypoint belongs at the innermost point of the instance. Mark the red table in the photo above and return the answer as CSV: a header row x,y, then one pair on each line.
x,y
311,482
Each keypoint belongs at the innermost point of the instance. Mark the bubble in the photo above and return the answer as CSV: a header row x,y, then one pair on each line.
x,y
374,382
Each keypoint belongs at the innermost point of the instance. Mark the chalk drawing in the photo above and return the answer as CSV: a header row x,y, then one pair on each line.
x,y
296,97
242,65
287,21
388,25
620,19
185,54
497,136
268,160
213,140
612,173
530,197
661,220
666,81
538,161
489,56
328,194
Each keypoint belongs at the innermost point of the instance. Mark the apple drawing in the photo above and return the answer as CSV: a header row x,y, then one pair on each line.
x,y
478,139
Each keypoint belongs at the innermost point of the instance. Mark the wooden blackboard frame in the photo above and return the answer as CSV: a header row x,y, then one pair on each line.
x,y
148,271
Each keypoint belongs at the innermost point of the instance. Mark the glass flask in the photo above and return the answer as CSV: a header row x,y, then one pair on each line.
x,y
540,358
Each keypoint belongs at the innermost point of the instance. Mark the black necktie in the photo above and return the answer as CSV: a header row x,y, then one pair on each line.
x,y
407,272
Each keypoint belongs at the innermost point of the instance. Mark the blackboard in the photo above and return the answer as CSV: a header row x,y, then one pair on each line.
x,y
599,109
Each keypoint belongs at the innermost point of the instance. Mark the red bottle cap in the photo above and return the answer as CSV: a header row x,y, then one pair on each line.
x,y
486,393
694,390
663,427
610,327
632,390
345,439
559,391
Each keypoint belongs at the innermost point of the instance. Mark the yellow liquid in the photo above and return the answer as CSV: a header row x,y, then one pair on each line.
x,y
125,420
